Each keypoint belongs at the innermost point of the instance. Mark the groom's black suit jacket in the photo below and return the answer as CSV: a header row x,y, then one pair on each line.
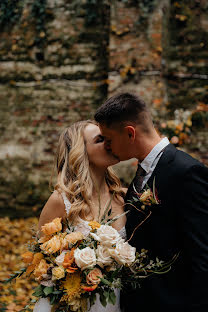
x,y
178,224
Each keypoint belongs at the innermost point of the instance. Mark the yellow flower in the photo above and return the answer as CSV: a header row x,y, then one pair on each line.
x,y
94,225
189,122
53,245
58,273
52,227
72,287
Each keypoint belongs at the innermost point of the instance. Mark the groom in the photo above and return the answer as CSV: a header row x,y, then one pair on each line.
x,y
177,224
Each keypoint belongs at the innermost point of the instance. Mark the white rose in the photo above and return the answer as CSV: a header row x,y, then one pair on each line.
x,y
106,235
85,258
103,256
123,253
60,259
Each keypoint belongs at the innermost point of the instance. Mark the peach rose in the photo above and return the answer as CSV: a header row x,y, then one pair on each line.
x,y
41,269
52,227
71,238
93,277
52,246
27,257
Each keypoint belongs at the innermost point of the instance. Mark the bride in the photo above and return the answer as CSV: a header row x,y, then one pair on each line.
x,y
84,180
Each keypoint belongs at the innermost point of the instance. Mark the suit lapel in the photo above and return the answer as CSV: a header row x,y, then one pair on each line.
x,y
160,170
159,174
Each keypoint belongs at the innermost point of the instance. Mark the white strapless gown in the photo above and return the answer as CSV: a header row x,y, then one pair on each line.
x,y
43,304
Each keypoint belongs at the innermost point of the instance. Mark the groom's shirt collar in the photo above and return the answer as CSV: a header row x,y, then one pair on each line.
x,y
151,160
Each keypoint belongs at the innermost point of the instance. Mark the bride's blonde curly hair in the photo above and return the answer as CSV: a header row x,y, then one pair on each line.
x,y
73,172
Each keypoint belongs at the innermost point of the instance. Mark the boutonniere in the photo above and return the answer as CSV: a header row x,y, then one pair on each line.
x,y
148,197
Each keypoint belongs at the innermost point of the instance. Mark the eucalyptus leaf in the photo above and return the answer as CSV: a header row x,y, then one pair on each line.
x,y
105,281
52,300
48,290
106,294
57,292
112,297
38,291
103,300
33,300
92,298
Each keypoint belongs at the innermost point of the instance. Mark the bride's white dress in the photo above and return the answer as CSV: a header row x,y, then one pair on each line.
x,y
43,304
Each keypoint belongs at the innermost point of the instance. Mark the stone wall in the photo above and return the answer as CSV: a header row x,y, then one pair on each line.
x,y
60,59
53,71
159,50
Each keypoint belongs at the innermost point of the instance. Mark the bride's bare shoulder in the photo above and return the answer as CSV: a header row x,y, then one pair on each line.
x,y
53,208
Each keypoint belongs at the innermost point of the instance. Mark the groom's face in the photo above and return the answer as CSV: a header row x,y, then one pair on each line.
x,y
116,141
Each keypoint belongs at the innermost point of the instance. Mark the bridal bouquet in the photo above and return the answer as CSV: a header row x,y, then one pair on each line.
x,y
72,267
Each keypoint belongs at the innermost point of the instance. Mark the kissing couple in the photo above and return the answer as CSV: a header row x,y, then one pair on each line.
x,y
178,223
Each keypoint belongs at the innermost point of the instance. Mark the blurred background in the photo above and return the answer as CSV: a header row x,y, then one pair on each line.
x,y
60,60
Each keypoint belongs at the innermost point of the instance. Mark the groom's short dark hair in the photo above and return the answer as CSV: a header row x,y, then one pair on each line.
x,y
122,108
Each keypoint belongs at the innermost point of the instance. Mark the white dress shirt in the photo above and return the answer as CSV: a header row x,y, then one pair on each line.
x,y
151,160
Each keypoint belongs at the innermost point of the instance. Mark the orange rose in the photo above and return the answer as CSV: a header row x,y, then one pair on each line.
x,y
44,239
89,288
93,277
27,257
37,257
30,269
52,227
41,269
71,238
69,261
52,246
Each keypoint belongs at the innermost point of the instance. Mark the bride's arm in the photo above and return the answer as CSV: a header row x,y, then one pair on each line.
x,y
54,208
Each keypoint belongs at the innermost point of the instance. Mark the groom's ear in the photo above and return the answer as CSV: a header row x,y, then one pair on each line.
x,y
131,132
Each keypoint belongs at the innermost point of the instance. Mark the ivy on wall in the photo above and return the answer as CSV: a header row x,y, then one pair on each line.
x,y
38,13
10,13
